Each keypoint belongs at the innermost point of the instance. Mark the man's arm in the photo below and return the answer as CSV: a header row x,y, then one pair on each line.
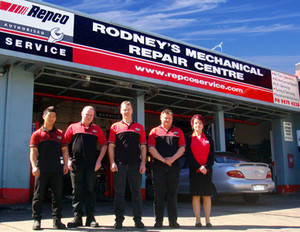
x,y
66,158
111,154
178,154
143,158
100,157
34,153
155,154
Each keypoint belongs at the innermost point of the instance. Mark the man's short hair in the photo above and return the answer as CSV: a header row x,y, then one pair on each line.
x,y
166,111
49,109
126,103
88,108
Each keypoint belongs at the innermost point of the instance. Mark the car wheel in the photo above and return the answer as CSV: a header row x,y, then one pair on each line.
x,y
251,197
214,197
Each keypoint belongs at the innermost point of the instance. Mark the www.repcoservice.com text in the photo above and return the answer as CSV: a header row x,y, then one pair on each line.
x,y
188,79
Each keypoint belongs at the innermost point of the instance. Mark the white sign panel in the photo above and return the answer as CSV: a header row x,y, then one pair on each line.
x,y
288,132
42,21
285,89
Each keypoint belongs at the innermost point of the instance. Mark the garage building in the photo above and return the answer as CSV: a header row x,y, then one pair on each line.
x,y
55,56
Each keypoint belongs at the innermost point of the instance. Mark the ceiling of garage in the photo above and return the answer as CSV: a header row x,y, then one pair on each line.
x,y
110,89
56,82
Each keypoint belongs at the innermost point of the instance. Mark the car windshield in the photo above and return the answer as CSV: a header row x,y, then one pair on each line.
x,y
229,158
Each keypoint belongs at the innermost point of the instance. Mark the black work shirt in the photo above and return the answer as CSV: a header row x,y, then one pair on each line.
x,y
49,145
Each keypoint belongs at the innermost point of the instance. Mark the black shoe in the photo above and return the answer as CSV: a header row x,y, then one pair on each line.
x,y
75,223
174,225
198,224
158,225
57,224
118,225
208,225
36,225
139,224
91,222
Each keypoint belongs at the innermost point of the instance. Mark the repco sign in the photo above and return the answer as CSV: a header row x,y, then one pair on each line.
x,y
47,15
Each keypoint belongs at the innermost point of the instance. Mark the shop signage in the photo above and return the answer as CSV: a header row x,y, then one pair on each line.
x,y
101,114
285,89
288,132
50,32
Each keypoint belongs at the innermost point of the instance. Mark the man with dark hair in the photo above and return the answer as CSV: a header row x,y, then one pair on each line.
x,y
166,144
46,146
127,154
83,138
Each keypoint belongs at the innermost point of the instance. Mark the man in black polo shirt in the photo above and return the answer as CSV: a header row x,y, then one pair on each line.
x,y
83,138
46,146
127,154
166,144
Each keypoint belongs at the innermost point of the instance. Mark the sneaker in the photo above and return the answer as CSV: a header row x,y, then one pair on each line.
x,y
139,224
118,225
91,221
75,223
158,225
36,225
57,224
174,225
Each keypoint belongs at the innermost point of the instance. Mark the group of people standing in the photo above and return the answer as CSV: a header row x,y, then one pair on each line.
x,y
127,150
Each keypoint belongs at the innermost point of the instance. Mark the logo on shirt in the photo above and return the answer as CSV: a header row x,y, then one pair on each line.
x,y
59,137
176,133
94,131
137,129
206,141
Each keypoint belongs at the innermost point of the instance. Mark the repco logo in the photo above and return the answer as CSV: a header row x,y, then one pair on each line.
x,y
46,15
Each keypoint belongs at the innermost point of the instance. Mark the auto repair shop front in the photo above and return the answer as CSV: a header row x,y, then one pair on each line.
x,y
53,56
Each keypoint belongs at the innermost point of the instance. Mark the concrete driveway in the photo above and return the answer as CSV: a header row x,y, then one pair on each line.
x,y
271,213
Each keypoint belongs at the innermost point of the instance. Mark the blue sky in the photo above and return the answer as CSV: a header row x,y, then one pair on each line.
x,y
264,32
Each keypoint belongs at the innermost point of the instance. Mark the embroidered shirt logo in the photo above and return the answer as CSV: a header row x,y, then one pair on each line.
x,y
94,131
137,129
59,137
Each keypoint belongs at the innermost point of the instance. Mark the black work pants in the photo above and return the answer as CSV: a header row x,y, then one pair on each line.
x,y
131,173
53,180
84,191
165,185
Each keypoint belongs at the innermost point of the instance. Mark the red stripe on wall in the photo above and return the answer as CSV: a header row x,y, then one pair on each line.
x,y
117,104
12,8
14,196
282,189
143,193
4,5
17,8
24,9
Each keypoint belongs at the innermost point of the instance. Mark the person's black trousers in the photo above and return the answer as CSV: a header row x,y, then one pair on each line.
x,y
84,191
165,185
131,173
53,180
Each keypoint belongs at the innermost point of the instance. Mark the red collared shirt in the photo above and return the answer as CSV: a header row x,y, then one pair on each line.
x,y
127,140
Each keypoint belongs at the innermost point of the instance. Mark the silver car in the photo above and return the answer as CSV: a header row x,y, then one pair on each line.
x,y
234,175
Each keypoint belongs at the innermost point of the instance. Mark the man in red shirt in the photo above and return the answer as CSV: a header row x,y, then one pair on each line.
x,y
83,138
46,146
166,144
127,154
